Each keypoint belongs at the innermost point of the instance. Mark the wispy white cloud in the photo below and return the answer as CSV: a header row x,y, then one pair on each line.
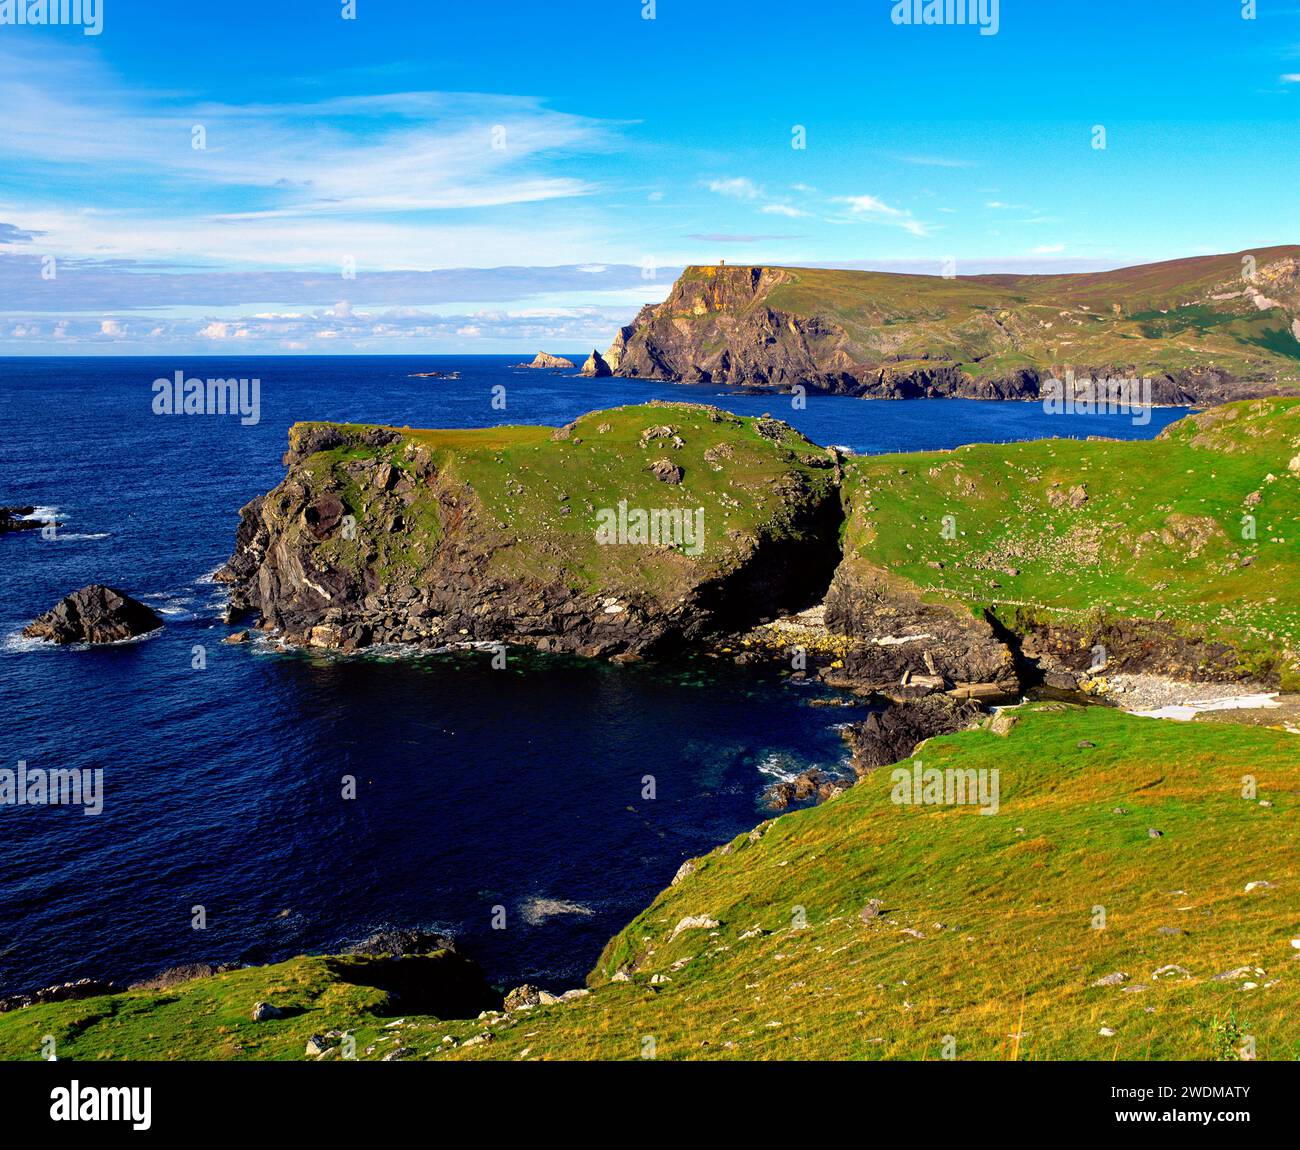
x,y
877,211
377,177
737,187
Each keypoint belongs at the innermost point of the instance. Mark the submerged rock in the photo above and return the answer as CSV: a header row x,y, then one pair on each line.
x,y
95,614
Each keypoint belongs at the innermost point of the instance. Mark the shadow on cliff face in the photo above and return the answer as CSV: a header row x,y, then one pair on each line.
x,y
784,575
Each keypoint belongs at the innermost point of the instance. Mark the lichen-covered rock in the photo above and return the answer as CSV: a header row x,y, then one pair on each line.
x,y
95,614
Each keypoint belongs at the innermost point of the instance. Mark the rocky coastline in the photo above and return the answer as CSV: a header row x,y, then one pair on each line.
x,y
883,336
379,536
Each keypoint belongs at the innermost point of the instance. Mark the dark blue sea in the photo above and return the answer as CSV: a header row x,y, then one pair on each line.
x,y
477,788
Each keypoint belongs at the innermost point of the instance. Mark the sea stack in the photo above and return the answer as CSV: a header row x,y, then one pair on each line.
x,y
95,614
596,367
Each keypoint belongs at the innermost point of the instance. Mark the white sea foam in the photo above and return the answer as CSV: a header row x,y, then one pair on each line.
x,y
781,767
19,642
42,513
536,911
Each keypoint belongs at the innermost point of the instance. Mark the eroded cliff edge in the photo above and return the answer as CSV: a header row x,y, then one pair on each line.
x,y
713,523
970,573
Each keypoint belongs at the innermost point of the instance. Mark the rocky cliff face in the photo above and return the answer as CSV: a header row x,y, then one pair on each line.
x,y
380,536
843,568
1198,330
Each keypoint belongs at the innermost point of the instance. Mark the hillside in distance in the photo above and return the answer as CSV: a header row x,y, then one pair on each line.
x,y
1203,330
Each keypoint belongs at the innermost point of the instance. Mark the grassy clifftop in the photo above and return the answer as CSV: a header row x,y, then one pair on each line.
x,y
1200,528
626,528
989,928
1200,326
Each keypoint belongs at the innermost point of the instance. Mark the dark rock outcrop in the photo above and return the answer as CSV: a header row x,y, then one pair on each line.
x,y
1064,654
14,519
904,647
95,614
187,972
893,734
396,942
63,992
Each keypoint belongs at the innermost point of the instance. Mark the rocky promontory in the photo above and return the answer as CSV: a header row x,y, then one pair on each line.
x,y
972,573
627,532
934,583
1195,328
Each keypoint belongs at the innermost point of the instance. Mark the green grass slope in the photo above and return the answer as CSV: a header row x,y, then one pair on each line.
x,y
987,932
211,1018
990,932
1162,532
539,491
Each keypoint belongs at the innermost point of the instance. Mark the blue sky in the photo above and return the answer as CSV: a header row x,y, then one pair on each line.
x,y
513,175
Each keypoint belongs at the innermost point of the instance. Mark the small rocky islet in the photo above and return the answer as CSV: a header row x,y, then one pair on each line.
x,y
95,614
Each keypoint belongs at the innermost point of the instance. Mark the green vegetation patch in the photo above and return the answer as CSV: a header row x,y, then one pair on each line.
x,y
998,936
1200,526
